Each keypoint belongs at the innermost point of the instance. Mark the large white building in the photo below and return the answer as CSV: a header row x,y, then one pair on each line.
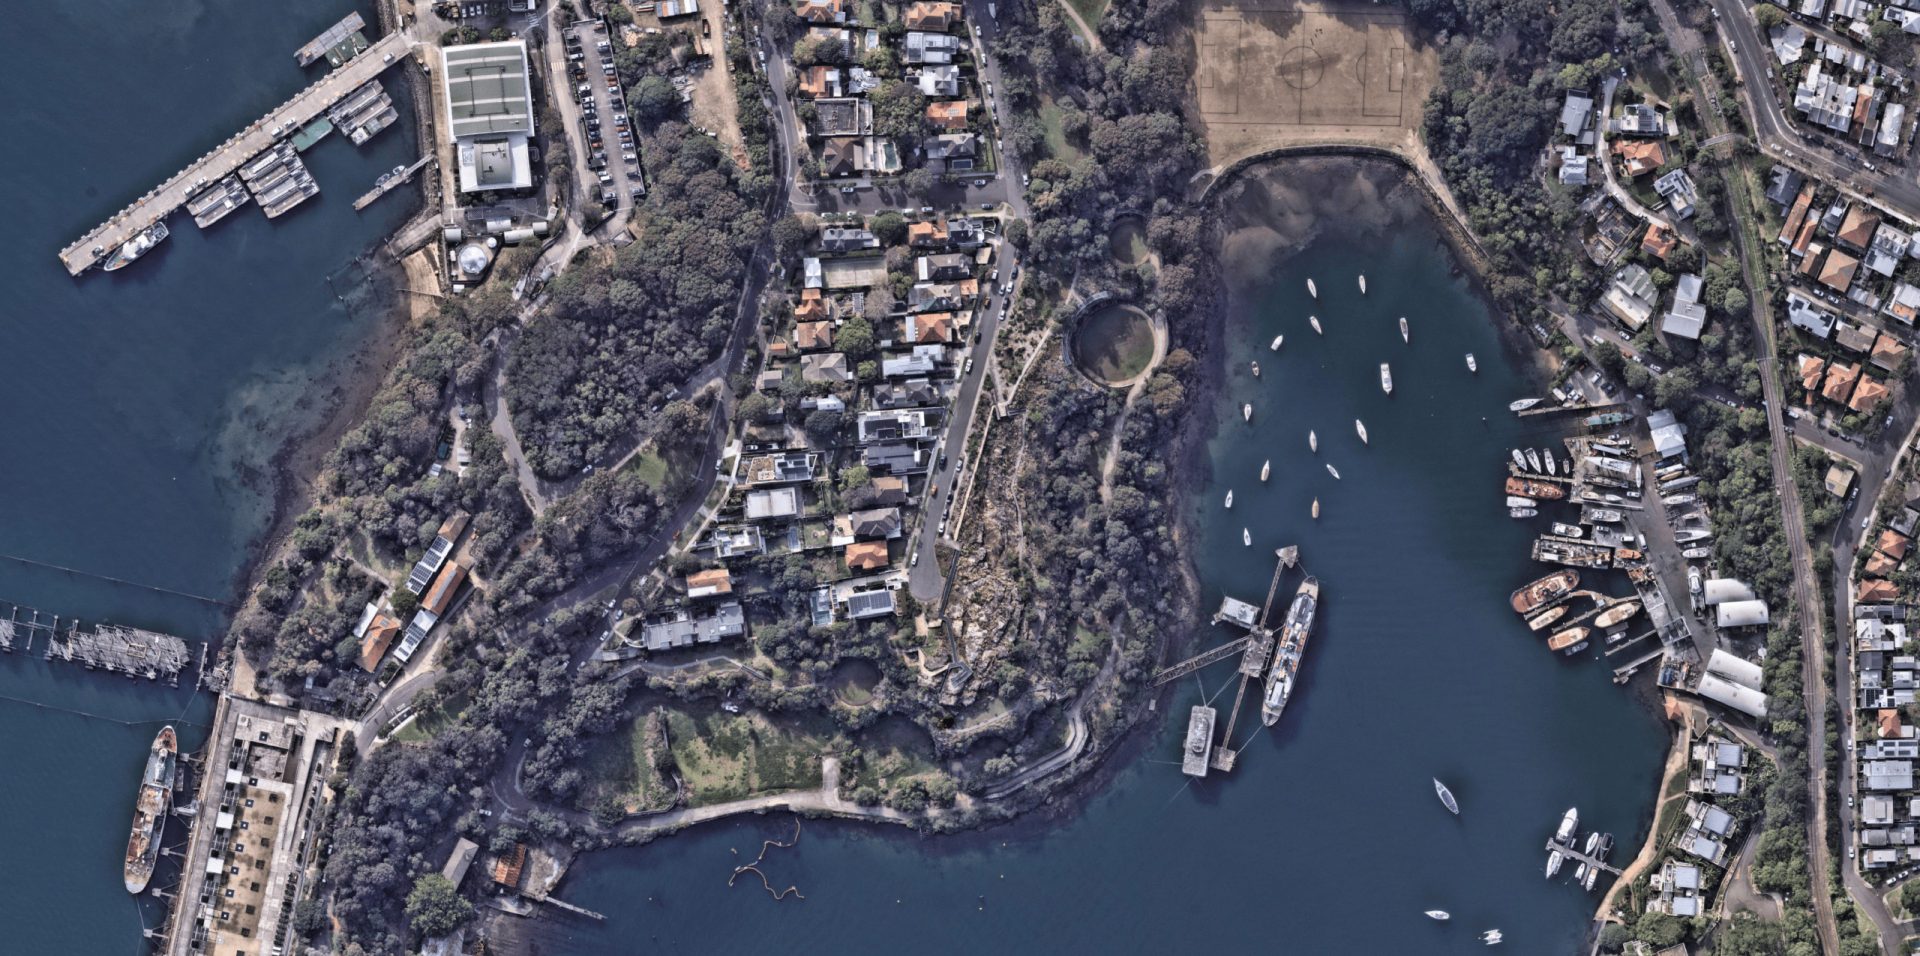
x,y
489,106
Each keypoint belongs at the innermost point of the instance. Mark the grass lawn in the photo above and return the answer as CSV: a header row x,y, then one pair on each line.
x,y
656,470
1090,11
1050,117
428,723
725,757
620,766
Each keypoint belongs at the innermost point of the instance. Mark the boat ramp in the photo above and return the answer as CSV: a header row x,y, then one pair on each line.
x,y
237,151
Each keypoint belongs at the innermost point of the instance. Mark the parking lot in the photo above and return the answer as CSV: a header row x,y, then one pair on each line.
x,y
607,149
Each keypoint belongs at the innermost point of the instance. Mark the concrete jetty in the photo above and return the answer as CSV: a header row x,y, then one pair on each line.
x,y
391,182
343,35
99,243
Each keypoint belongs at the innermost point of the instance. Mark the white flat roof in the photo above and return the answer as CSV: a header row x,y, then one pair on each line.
x,y
485,89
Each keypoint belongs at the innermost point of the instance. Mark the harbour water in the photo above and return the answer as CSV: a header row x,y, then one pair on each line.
x,y
1328,837
142,409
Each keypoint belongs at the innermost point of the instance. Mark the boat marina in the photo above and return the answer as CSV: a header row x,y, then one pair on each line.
x,y
365,112
278,180
212,204
240,151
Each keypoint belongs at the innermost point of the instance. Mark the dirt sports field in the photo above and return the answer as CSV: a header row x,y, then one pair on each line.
x,y
1276,73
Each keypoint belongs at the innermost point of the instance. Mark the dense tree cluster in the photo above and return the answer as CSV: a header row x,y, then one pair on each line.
x,y
619,340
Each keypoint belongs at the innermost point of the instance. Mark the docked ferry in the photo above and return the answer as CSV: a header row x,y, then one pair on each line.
x,y
1293,647
150,811
142,243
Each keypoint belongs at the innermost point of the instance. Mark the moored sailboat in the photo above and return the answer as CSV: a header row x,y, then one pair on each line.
x,y
1361,427
1403,331
1446,797
1314,321
1363,283
1335,472
1266,468
1313,290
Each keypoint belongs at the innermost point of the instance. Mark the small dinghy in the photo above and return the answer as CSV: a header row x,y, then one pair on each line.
x,y
1246,412
1256,370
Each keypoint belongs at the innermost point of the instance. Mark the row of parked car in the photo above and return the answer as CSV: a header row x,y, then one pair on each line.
x,y
590,120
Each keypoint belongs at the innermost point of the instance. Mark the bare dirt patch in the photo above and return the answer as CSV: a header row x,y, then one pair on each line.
x,y
1281,73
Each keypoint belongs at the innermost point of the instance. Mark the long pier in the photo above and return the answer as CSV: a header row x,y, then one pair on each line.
x,y
392,182
228,157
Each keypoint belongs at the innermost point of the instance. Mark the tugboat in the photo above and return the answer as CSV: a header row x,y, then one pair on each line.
x,y
1292,649
142,243
150,811
1540,593
1386,378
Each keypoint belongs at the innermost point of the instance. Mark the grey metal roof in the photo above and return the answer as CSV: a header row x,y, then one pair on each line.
x,y
486,89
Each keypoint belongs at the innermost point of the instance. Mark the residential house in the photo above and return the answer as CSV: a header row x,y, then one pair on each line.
x,y
813,306
842,156
922,47
1576,112
942,268
1886,249
925,328
1679,192
737,542
819,82
889,490
1796,214
912,393
377,638
780,468
1688,315
947,114
1630,296
813,336
1856,228
840,36
1783,185
862,605
942,296
1853,338
1641,119
938,81
1823,100
679,627
1659,242
1640,157
932,15
712,582
823,11
1904,303
866,556
897,425
930,233
894,459
1868,395
1837,273
877,523
923,360
1805,314
1573,167
1840,381
772,503
846,239
1812,368
1890,141
830,368
949,147
842,116
1888,353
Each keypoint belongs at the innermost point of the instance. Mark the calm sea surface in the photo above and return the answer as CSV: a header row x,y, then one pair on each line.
x,y
140,410
1328,838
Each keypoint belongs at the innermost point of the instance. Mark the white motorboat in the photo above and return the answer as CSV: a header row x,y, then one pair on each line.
x,y
1276,342
1554,862
1316,509
1386,378
1256,370
1523,404
1446,797
1492,937
1580,873
1569,530
1335,472
1314,321
1361,427
1246,412
1568,824
1403,331
1313,290
1229,497
1523,512
1266,468
1516,501
1246,537
1441,915
1472,366
1363,283
1313,440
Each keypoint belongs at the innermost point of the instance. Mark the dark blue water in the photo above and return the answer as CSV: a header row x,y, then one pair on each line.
x,y
141,410
1328,838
